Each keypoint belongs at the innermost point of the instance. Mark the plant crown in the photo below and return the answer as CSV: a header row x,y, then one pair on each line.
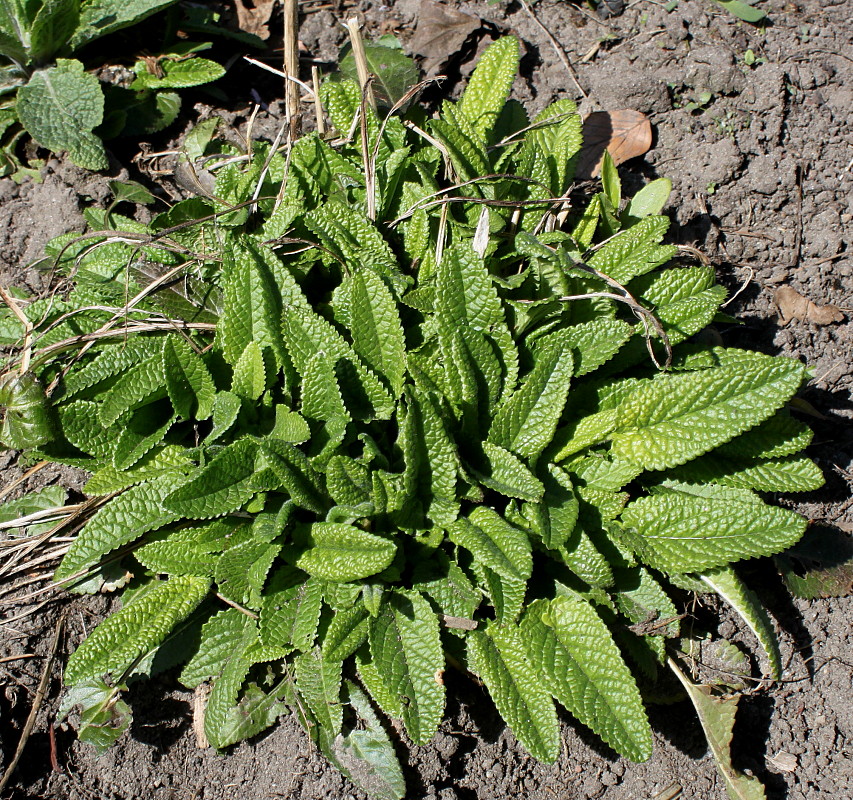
x,y
393,404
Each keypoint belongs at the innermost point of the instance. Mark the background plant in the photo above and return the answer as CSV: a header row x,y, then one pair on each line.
x,y
402,402
62,105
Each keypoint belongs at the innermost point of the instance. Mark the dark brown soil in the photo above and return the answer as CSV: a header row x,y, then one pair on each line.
x,y
761,158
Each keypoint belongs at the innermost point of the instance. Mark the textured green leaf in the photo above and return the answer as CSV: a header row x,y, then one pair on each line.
x,y
221,486
226,407
635,251
595,342
555,516
176,74
508,475
228,719
138,510
27,420
376,329
649,201
100,17
555,142
343,553
490,84
112,361
81,427
572,648
242,569
525,422
52,26
463,144
777,437
221,635
188,380
104,716
290,611
178,555
138,387
295,473
494,543
447,585
499,657
60,106
406,648
641,598
793,474
250,374
154,464
142,432
683,533
136,628
678,417
506,594
726,583
717,715
346,633
319,684
250,312
465,293
364,752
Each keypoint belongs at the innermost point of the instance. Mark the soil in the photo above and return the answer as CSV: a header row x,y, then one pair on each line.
x,y
761,159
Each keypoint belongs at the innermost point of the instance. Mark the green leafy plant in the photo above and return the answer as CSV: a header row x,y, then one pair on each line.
x,y
60,104
400,402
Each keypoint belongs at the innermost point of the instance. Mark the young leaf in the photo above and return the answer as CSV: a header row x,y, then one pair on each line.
x,y
290,611
499,657
221,635
635,251
319,683
507,474
137,628
648,202
489,86
346,633
572,648
406,649
135,388
176,74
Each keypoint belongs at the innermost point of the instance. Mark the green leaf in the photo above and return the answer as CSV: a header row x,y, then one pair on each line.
x,y
793,474
610,182
130,192
60,106
406,649
125,518
250,374
52,26
154,464
742,10
343,553
683,533
221,486
290,611
242,569
465,292
717,715
508,475
319,683
572,648
525,422
136,628
490,84
100,17
134,389
104,716
364,752
346,633
494,543
726,583
221,635
143,430
376,330
188,381
499,657
27,420
678,417
648,202
296,475
176,74
394,71
553,146
634,251
251,312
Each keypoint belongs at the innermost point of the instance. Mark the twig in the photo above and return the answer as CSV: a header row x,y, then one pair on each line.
x,y
561,53
291,63
18,481
360,57
37,701
318,104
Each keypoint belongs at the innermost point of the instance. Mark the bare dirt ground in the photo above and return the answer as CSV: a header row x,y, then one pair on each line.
x,y
753,127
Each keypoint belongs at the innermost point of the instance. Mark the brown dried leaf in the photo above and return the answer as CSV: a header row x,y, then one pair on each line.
x,y
624,133
253,16
440,32
792,305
